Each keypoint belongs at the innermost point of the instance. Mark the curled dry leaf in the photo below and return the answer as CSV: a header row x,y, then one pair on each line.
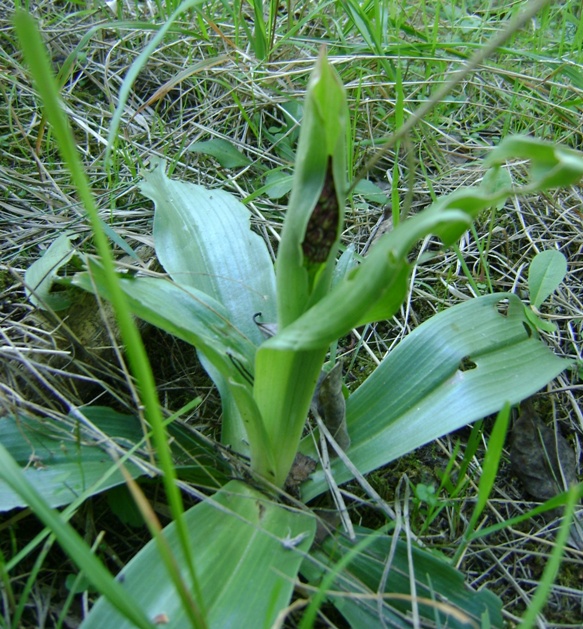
x,y
540,456
303,466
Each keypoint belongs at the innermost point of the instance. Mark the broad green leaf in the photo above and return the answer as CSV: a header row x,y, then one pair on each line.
x,y
200,320
204,241
71,542
186,313
459,366
40,275
247,552
547,270
223,151
62,466
551,165
435,581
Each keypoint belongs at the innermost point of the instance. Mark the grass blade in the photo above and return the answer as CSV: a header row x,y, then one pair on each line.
x,y
72,543
38,61
551,569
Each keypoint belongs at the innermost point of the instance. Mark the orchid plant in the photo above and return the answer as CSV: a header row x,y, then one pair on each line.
x,y
234,558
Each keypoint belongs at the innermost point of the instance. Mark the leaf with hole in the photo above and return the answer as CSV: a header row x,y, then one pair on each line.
x,y
455,368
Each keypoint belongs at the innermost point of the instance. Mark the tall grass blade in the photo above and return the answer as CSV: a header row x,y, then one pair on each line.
x,y
72,543
552,568
38,61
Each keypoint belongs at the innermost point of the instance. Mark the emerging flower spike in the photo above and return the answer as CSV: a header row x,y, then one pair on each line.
x,y
322,226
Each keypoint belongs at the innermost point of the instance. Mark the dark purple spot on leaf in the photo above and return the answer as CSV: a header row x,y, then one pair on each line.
x,y
322,227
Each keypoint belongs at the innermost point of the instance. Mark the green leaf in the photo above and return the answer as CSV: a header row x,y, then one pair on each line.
x,y
283,389
204,241
320,165
346,262
491,464
497,180
546,272
247,552
278,183
551,165
186,313
371,192
283,136
121,504
455,368
538,323
196,457
40,275
223,151
71,542
264,457
435,581
63,466
259,38
233,431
